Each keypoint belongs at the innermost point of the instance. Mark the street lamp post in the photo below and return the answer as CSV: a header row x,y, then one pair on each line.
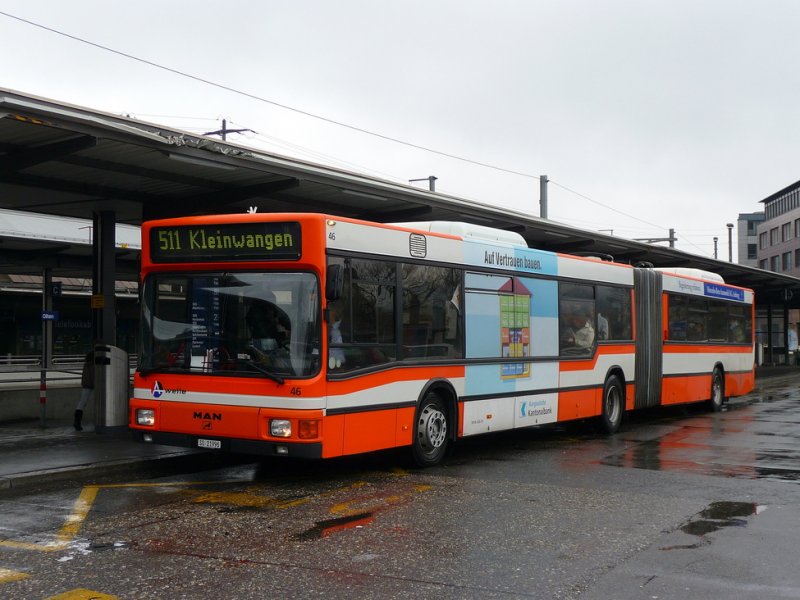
x,y
716,239
730,242
431,179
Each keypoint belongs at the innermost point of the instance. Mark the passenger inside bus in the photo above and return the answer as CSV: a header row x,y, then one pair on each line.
x,y
270,330
577,331
336,353
602,327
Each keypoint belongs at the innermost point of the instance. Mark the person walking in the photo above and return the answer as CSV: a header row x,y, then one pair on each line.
x,y
87,389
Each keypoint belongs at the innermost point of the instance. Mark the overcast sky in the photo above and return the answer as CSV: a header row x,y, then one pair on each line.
x,y
645,114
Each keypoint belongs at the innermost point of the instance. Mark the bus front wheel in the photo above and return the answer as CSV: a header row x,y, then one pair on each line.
x,y
717,391
613,404
431,434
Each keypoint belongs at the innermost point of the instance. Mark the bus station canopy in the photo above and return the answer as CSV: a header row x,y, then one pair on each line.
x,y
69,161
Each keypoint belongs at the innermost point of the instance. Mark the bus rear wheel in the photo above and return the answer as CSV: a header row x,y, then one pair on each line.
x,y
613,405
717,391
431,432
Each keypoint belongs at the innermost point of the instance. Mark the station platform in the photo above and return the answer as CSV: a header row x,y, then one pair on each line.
x,y
32,456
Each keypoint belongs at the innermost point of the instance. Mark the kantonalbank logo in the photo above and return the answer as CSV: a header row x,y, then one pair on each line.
x,y
534,409
159,390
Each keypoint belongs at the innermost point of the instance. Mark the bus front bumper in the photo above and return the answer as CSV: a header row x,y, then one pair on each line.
x,y
239,446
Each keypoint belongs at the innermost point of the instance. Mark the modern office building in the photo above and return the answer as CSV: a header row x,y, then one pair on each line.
x,y
779,251
747,238
779,233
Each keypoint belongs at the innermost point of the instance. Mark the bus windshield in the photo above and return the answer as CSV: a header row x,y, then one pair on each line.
x,y
239,324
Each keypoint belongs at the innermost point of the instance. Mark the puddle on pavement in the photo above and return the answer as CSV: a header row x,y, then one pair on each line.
x,y
768,398
719,515
699,450
325,528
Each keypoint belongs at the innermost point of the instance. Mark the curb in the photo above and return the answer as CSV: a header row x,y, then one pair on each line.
x,y
111,472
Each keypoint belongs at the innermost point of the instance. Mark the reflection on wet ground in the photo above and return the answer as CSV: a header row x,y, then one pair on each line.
x,y
716,516
719,515
330,526
756,437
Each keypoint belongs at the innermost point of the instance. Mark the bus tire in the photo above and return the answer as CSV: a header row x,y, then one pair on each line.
x,y
431,431
717,391
613,405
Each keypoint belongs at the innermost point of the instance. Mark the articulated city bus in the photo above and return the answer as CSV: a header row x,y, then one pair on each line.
x,y
318,336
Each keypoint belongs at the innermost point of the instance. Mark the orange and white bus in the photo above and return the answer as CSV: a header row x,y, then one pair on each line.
x,y
317,336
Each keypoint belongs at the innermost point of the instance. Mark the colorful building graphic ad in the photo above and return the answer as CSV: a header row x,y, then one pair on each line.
x,y
515,327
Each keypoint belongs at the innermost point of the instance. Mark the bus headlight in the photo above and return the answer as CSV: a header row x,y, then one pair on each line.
x,y
145,416
280,428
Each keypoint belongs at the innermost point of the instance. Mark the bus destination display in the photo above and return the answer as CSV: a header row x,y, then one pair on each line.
x,y
225,242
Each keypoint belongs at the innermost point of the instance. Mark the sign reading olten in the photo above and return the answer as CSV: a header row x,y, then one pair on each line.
x,y
225,242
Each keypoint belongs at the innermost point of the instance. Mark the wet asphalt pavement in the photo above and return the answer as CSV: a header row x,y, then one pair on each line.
x,y
680,504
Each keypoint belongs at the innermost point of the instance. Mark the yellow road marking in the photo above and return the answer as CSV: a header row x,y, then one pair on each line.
x,y
66,535
109,486
79,511
7,575
81,594
248,498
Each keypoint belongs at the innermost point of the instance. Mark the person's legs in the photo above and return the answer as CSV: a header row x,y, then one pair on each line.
x,y
86,395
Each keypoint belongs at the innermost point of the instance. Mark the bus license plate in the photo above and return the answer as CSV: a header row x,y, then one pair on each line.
x,y
212,444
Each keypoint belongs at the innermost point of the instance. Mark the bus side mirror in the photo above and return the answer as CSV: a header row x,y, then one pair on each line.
x,y
334,283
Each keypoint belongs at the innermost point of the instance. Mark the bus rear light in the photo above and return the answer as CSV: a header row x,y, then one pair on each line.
x,y
308,429
280,428
145,416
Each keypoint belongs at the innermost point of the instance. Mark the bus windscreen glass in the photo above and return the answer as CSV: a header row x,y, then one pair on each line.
x,y
231,324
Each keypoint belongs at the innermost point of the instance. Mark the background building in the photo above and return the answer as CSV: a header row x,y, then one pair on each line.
x,y
779,233
747,238
779,251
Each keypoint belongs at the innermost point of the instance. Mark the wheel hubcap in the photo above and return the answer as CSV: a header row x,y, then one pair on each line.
x,y
612,404
432,428
717,391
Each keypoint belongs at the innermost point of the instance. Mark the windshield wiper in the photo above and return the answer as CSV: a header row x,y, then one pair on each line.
x,y
265,371
145,371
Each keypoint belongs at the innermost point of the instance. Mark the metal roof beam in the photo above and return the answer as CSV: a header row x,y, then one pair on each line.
x,y
128,169
213,202
404,214
578,244
94,192
21,158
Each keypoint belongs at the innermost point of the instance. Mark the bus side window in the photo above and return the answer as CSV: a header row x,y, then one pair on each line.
x,y
677,317
577,325
613,313
697,321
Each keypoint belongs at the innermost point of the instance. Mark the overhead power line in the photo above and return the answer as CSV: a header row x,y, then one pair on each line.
x,y
606,206
316,116
268,101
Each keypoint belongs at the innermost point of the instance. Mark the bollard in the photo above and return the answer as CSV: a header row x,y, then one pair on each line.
x,y
43,398
112,375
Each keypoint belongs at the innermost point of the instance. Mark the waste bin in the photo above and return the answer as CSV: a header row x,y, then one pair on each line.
x,y
112,377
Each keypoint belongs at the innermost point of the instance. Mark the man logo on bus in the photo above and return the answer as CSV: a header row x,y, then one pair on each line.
x,y
158,390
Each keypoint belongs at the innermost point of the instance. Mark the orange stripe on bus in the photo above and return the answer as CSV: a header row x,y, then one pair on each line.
x,y
579,404
589,364
377,430
699,348
679,390
373,380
